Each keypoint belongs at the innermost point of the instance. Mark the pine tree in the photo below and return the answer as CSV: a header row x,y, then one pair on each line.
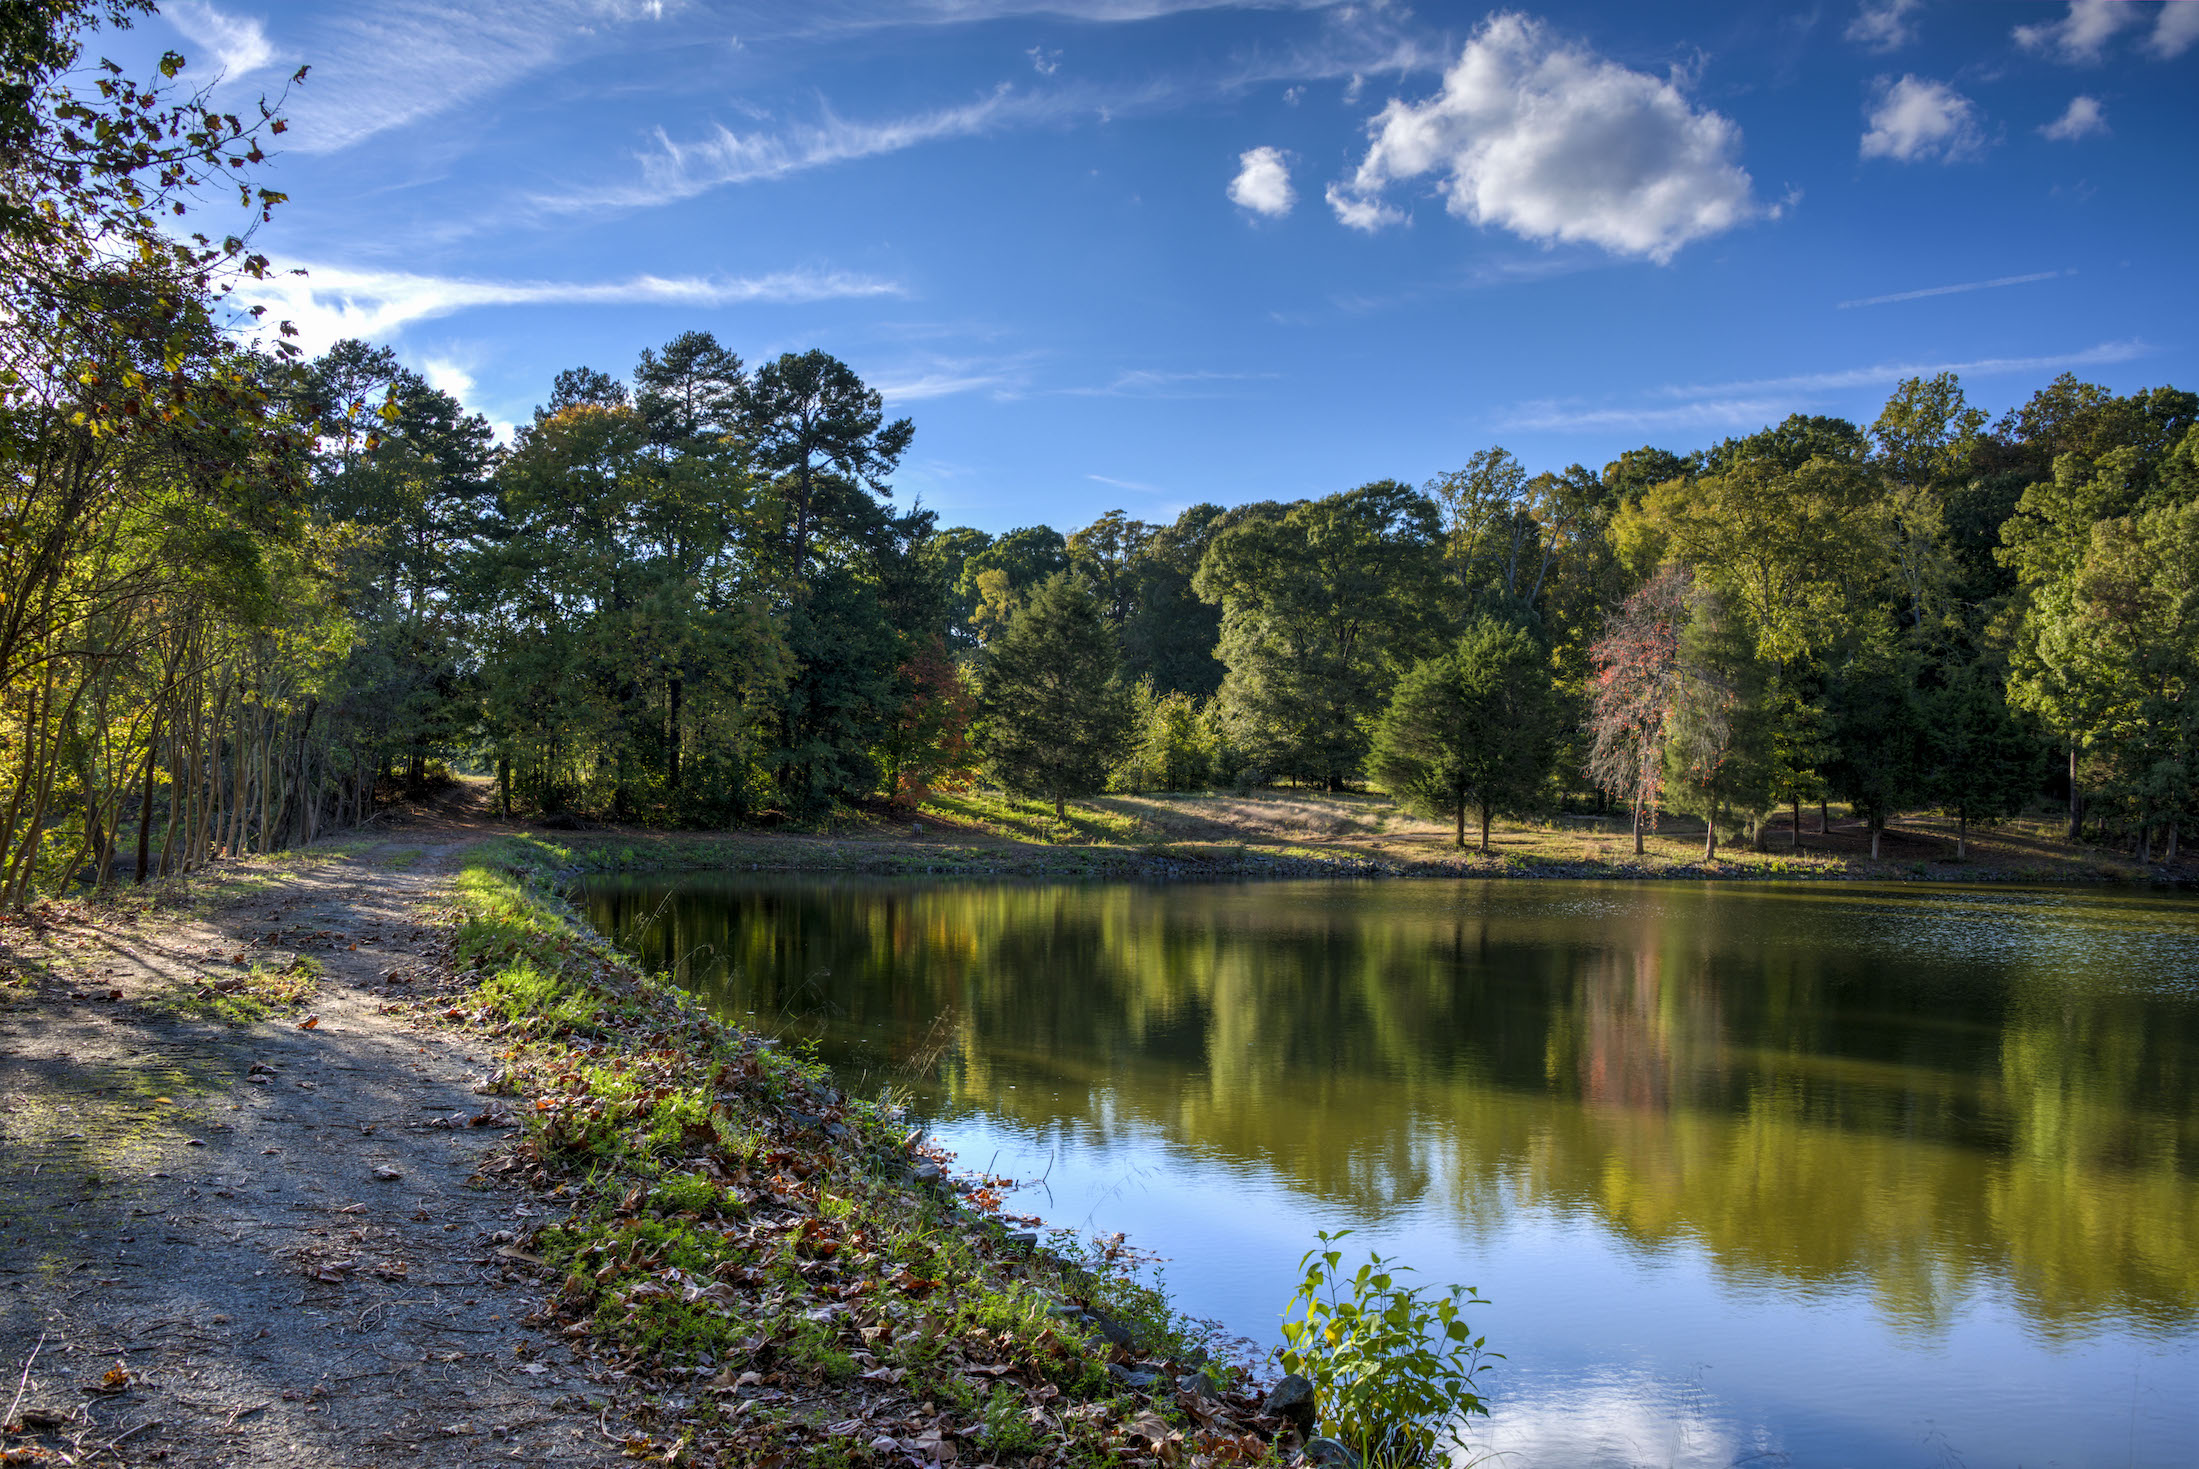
x,y
1053,717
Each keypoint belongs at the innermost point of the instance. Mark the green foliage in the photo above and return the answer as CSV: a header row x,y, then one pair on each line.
x,y
1471,726
1322,603
1052,715
1392,1366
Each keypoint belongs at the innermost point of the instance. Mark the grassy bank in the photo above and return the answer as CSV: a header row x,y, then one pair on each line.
x,y
1310,834
779,1266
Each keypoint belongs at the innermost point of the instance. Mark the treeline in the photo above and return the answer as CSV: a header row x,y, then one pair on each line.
x,y
246,596
1933,610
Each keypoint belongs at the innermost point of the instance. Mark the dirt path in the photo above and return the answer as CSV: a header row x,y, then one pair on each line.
x,y
257,1243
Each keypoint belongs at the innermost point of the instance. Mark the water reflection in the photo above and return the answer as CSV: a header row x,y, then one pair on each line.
x,y
1920,1102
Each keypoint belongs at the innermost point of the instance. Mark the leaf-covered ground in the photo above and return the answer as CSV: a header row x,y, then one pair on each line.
x,y
786,1276
375,1155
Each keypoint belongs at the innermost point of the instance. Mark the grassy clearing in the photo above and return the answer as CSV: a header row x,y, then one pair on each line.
x,y
736,1219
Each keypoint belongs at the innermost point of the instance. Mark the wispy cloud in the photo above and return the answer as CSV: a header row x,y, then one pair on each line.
x,y
2083,118
332,302
680,170
1755,402
1883,25
380,66
1145,382
239,42
2080,36
1956,290
1135,487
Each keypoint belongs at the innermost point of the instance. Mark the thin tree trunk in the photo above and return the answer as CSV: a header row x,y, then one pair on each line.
x,y
1962,835
1637,826
2169,855
1485,826
1458,811
145,808
1060,808
1710,833
1824,817
1872,823
2076,802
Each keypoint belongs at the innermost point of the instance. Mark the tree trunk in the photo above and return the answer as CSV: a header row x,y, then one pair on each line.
x,y
2076,803
1485,826
145,807
1962,836
1458,810
504,781
1710,833
672,738
1060,808
1824,817
2145,841
1637,827
1796,843
1873,824
2168,855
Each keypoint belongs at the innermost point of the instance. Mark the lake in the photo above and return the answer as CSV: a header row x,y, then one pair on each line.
x,y
1812,1174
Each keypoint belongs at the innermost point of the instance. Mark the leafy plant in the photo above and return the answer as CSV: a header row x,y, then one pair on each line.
x,y
1392,1366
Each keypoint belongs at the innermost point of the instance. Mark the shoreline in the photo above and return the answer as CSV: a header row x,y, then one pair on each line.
x,y
615,851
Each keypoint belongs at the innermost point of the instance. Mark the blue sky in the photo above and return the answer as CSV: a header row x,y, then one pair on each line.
x,y
1142,253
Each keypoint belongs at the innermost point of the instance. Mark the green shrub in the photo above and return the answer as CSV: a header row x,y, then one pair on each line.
x,y
1392,1367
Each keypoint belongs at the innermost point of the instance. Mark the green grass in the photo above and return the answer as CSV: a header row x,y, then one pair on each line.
x,y
268,990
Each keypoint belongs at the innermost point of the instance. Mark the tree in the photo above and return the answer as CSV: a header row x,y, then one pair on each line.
x,y
1715,750
1632,689
1052,714
1879,730
1474,726
1983,759
1321,604
822,436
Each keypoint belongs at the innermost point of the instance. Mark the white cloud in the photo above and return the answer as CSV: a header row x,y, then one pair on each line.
x,y
2083,118
2079,36
1552,142
1883,25
2174,29
1135,487
1918,121
446,376
678,170
1368,214
1957,290
1043,61
1153,382
1754,403
1262,184
380,66
1292,96
239,43
331,302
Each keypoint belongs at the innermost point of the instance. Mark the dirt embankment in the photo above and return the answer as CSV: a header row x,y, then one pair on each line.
x,y
236,1222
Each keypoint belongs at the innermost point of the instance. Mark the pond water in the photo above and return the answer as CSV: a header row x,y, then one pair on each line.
x,y
1808,1174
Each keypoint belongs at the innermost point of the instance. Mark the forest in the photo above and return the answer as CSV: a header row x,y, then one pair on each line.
x,y
246,593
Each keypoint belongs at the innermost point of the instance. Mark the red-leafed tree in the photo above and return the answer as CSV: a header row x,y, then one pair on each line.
x,y
1636,679
929,747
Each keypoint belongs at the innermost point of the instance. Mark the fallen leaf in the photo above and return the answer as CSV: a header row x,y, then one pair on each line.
x,y
387,1173
309,1022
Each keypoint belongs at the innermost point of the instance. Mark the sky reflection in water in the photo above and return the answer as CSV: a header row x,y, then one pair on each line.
x,y
1819,1175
